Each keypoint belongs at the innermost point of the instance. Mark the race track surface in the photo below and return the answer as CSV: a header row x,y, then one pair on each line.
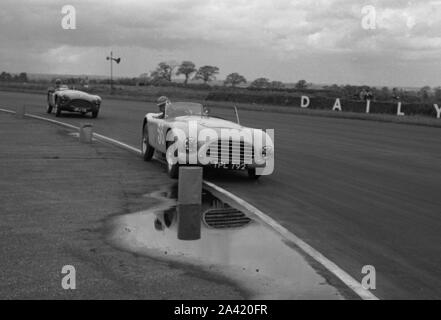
x,y
360,192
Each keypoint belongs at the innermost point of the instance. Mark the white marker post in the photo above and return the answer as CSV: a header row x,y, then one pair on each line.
x,y
189,203
20,111
368,106
86,132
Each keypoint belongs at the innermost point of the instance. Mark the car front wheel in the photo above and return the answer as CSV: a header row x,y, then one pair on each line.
x,y
172,168
57,109
49,106
94,114
147,149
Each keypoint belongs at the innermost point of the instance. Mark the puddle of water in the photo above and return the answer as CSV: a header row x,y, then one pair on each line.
x,y
230,243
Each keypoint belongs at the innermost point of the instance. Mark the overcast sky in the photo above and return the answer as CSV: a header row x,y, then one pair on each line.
x,y
322,41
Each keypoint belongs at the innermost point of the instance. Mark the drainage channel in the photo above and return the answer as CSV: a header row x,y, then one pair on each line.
x,y
233,244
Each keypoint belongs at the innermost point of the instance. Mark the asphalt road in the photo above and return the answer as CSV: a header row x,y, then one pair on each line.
x,y
50,218
360,192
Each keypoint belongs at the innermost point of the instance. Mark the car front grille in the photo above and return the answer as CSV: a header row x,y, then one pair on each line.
x,y
222,218
229,152
78,103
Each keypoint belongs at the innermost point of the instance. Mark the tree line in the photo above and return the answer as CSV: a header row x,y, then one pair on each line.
x,y
163,75
165,70
7,77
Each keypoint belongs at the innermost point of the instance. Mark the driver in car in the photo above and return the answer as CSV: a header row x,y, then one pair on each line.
x,y
161,103
58,84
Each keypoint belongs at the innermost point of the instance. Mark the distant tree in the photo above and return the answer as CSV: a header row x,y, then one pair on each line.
x,y
163,71
276,85
260,83
437,93
385,93
207,73
424,93
187,68
5,76
22,77
396,94
234,79
351,92
143,79
301,84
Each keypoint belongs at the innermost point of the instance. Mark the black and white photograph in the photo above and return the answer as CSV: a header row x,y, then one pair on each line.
x,y
220,155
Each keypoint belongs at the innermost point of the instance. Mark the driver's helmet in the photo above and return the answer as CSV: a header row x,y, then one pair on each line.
x,y
162,102
58,83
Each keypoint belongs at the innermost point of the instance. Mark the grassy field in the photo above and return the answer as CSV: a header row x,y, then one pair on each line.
x,y
417,114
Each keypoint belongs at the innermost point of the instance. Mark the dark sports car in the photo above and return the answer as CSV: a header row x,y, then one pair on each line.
x,y
64,99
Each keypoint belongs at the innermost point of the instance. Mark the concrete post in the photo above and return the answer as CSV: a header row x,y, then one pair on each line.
x,y
20,111
189,203
368,105
86,132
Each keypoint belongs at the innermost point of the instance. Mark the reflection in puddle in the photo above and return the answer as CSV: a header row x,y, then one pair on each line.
x,y
231,243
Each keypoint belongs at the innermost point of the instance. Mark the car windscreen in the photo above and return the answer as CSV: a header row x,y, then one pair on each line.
x,y
179,109
225,112
63,87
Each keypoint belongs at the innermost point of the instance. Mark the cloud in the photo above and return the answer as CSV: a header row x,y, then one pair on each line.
x,y
306,35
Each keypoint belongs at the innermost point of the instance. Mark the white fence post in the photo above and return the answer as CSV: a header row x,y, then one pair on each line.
x,y
86,132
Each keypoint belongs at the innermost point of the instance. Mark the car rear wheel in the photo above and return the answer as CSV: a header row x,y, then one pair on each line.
x,y
57,109
49,106
172,169
252,174
147,149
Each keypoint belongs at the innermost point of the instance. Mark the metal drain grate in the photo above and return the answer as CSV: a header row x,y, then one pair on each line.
x,y
221,218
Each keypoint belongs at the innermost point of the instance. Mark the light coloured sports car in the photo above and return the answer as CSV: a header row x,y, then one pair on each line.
x,y
65,99
191,135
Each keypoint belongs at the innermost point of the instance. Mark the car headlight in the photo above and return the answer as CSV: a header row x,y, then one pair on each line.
x,y
267,151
